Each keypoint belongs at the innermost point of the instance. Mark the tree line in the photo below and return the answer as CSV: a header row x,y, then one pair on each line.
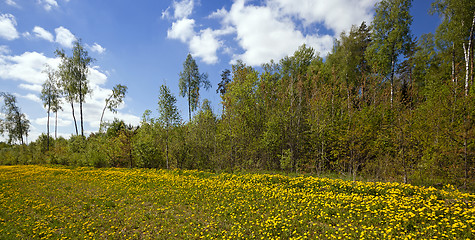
x,y
382,105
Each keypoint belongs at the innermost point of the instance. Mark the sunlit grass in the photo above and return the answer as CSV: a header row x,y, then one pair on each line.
x,y
55,202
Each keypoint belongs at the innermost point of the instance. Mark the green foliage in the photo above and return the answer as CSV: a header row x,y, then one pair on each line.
x,y
381,106
191,80
15,122
114,100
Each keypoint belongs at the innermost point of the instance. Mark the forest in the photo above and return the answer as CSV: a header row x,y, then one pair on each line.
x,y
383,105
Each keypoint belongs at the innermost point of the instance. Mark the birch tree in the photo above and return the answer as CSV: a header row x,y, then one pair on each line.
x,y
390,38
457,31
15,122
73,73
50,97
114,100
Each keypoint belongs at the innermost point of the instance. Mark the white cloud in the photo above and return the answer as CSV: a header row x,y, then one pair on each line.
x,y
97,48
96,77
182,29
32,97
61,122
271,30
26,67
48,4
262,34
8,27
183,8
42,33
64,37
31,87
337,15
11,3
205,46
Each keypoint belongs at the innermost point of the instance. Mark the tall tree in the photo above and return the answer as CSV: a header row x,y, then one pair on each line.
x,y
15,122
169,115
73,72
66,82
456,33
191,80
391,37
50,96
81,62
114,100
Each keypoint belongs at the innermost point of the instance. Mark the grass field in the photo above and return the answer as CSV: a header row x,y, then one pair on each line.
x,y
55,202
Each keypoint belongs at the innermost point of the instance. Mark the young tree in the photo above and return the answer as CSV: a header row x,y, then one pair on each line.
x,y
169,115
190,83
391,37
114,100
50,96
15,122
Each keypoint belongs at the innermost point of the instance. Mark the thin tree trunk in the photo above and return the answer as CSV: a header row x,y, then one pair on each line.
x,y
74,118
56,126
47,130
80,107
20,127
392,80
454,80
189,103
102,115
167,147
465,158
466,51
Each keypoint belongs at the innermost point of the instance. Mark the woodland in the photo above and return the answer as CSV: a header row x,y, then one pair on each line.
x,y
383,105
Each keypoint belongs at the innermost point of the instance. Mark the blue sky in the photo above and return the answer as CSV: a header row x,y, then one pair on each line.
x,y
143,44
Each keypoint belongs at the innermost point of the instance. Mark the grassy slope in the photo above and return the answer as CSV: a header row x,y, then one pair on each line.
x,y
56,202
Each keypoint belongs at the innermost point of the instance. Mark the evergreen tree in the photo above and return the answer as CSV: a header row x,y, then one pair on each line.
x,y
191,80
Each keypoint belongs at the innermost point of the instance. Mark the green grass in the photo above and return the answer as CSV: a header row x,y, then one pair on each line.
x,y
44,202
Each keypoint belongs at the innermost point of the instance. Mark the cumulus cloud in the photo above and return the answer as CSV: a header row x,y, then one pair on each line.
x,y
337,15
97,48
26,67
181,9
64,37
203,44
8,27
42,33
182,29
271,30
